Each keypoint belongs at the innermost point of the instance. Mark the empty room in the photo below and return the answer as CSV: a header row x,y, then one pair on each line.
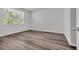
x,y
38,28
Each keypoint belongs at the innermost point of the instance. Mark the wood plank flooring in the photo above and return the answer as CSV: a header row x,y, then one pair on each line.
x,y
34,40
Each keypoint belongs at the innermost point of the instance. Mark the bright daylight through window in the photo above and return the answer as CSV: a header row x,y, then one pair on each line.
x,y
13,16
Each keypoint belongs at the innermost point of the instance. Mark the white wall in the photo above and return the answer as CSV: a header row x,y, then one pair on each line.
x,y
51,20
9,29
67,24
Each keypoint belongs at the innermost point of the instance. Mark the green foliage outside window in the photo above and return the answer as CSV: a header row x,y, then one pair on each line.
x,y
13,17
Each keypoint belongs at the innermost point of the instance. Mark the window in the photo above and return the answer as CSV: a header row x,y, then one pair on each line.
x,y
13,16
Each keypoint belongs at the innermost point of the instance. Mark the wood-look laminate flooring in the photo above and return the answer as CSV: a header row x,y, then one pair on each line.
x,y
34,40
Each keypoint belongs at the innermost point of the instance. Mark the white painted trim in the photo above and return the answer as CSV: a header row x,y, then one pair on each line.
x,y
13,32
47,31
69,41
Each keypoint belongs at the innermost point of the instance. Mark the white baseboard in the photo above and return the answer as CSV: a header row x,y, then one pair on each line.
x,y
25,30
69,41
47,31
13,32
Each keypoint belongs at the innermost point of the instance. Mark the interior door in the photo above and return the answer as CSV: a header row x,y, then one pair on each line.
x,y
77,25
73,26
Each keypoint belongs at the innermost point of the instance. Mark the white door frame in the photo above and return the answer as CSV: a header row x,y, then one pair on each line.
x,y
77,26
